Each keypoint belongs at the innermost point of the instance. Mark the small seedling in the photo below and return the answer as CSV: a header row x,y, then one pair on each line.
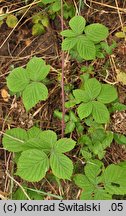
x,y
28,81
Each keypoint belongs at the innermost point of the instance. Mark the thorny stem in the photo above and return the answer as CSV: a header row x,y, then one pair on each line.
x,y
62,79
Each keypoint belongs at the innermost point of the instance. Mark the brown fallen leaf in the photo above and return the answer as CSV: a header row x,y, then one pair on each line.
x,y
5,95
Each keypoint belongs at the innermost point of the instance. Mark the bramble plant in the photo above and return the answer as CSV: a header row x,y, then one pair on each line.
x,y
93,98
100,183
28,81
86,40
39,150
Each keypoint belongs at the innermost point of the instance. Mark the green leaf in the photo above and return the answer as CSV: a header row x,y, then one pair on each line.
x,y
34,132
19,195
38,29
14,139
64,145
84,139
70,103
93,88
86,48
77,24
86,154
34,195
108,140
96,32
101,194
34,143
11,20
118,107
86,195
69,43
100,112
115,179
84,110
32,165
59,115
68,33
61,165
70,126
81,95
48,139
108,94
73,117
120,34
83,182
33,93
92,170
120,138
37,69
56,6
18,79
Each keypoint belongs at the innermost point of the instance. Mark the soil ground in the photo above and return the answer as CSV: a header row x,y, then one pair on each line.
x,y
18,46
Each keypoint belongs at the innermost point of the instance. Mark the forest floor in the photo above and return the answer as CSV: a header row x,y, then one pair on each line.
x,y
18,45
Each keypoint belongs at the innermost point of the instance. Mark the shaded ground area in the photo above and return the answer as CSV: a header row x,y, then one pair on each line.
x,y
18,46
